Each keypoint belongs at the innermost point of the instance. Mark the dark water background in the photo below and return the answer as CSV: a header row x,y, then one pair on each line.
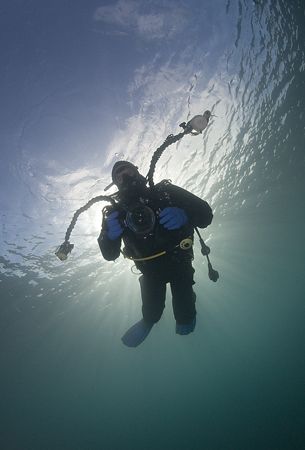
x,y
238,382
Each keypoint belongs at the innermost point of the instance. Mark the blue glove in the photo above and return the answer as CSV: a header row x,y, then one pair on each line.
x,y
114,228
172,217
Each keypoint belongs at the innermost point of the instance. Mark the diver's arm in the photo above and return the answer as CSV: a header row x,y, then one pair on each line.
x,y
198,211
110,248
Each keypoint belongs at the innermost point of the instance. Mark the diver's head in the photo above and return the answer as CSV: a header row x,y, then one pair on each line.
x,y
126,176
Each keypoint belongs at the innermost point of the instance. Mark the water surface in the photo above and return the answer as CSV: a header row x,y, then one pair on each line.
x,y
82,86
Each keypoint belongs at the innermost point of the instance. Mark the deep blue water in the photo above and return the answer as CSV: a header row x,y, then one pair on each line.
x,y
79,94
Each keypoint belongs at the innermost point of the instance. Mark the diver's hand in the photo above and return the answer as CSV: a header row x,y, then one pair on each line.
x,y
172,218
114,228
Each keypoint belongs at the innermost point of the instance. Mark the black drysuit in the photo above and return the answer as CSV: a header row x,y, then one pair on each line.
x,y
174,267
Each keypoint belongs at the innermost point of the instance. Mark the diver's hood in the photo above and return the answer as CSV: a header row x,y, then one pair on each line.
x,y
118,166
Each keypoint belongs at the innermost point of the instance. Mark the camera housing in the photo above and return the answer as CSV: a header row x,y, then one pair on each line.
x,y
140,219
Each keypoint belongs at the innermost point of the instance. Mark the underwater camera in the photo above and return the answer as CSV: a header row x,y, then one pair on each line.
x,y
141,219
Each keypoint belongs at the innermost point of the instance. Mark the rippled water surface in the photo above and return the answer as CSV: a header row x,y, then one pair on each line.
x,y
86,84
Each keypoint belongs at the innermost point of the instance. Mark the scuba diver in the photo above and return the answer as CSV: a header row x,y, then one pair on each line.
x,y
156,224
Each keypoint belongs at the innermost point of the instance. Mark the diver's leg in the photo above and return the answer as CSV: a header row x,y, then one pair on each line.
x,y
184,298
153,293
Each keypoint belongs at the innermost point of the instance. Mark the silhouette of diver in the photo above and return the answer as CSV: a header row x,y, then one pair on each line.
x,y
157,228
